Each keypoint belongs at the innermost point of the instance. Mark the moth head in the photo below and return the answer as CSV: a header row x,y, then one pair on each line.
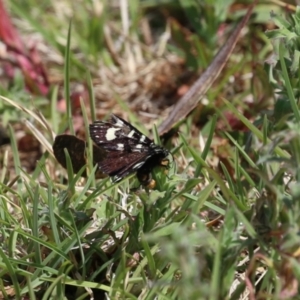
x,y
165,162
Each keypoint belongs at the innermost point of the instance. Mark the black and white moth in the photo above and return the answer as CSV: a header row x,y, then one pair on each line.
x,y
128,150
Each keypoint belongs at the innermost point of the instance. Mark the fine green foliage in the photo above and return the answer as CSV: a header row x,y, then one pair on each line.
x,y
221,223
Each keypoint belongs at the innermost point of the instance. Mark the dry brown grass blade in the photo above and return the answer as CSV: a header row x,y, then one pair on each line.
x,y
40,136
190,100
39,118
22,108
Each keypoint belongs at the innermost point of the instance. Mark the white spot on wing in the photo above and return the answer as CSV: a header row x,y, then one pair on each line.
x,y
119,123
138,148
142,139
131,134
116,178
111,134
138,165
120,146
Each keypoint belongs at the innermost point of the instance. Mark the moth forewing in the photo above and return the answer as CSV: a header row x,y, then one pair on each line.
x,y
128,150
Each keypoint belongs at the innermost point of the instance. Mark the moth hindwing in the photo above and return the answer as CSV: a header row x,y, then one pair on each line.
x,y
128,150
77,152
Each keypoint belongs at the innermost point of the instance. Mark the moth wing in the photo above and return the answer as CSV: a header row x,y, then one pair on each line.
x,y
120,164
117,135
76,149
77,152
